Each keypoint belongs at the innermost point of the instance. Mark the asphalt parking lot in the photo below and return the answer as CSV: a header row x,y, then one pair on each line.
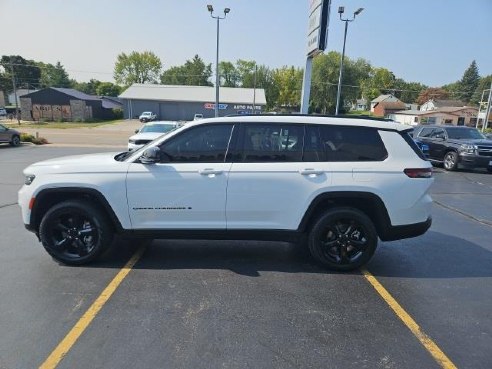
x,y
204,304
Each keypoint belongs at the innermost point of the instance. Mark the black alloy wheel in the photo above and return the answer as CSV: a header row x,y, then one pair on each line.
x,y
451,161
15,141
343,239
75,233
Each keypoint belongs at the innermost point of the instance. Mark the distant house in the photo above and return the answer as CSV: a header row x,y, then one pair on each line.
x,y
65,104
455,116
385,108
20,92
436,104
359,105
383,98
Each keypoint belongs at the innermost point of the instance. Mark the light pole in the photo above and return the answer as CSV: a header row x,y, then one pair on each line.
x,y
210,8
341,10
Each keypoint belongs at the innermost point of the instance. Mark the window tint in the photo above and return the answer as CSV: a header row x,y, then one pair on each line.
x,y
426,132
313,146
207,143
437,133
352,144
272,142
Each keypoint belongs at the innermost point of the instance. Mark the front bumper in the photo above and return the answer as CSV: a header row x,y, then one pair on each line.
x,y
475,161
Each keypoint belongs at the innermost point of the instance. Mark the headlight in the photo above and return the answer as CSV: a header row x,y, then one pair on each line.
x,y
29,179
468,149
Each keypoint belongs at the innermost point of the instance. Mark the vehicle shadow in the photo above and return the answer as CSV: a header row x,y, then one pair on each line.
x,y
433,255
247,258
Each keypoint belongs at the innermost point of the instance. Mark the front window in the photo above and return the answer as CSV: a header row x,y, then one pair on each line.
x,y
464,133
207,143
158,128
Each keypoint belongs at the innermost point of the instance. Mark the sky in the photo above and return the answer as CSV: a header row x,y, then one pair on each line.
x,y
427,41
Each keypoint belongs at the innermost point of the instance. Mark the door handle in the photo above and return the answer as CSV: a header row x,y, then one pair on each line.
x,y
207,171
309,171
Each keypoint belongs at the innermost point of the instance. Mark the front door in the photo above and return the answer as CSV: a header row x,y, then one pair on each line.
x,y
187,189
461,121
4,136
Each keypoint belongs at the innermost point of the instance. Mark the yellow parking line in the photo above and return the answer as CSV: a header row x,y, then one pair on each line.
x,y
66,344
424,339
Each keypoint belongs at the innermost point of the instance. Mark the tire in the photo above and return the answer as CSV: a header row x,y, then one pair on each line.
x,y
450,161
15,141
343,239
75,233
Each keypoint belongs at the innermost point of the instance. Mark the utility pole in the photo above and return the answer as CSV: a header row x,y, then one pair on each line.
x,y
15,91
254,90
487,111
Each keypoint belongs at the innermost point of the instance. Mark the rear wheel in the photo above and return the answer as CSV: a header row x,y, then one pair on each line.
x,y
451,161
343,239
75,233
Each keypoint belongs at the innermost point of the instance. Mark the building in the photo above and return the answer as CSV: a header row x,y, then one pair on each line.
x,y
455,116
383,98
19,92
437,104
385,108
359,105
65,104
170,102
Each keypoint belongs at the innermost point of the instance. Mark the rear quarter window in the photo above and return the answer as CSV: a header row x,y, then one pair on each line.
x,y
344,143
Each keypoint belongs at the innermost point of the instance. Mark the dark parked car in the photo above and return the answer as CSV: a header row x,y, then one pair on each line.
x,y
453,146
8,135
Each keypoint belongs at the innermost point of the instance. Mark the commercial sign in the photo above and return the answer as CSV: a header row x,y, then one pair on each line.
x,y
319,14
212,106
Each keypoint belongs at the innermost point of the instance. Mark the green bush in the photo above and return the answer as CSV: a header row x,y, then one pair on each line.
x,y
26,137
117,113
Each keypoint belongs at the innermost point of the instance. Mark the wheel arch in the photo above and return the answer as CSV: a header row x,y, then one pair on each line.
x,y
51,196
370,204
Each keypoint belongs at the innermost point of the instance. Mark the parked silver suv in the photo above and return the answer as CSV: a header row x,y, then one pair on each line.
x,y
9,135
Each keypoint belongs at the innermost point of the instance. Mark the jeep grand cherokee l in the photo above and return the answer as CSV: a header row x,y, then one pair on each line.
x,y
338,184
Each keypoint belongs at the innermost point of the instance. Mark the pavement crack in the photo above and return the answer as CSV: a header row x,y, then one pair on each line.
x,y
469,216
7,205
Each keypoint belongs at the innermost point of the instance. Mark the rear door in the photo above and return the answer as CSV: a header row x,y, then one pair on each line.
x,y
270,185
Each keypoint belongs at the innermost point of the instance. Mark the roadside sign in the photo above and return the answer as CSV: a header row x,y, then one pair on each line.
x,y
319,14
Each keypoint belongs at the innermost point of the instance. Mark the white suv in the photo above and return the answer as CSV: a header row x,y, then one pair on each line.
x,y
338,184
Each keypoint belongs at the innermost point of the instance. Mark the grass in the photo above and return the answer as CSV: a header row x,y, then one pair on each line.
x,y
60,125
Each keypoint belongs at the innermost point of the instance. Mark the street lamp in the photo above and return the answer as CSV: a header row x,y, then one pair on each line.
x,y
210,8
341,10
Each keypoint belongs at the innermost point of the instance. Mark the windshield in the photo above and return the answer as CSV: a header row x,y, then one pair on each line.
x,y
464,133
157,128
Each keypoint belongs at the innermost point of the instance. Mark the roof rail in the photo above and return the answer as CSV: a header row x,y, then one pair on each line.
x,y
348,116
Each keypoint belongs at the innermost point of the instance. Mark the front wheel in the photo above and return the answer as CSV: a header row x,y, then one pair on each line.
x,y
451,161
75,233
343,239
15,141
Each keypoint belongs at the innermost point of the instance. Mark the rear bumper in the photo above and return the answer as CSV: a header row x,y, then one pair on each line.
x,y
393,233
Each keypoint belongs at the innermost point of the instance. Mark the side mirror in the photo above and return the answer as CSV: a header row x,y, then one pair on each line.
x,y
151,156
136,131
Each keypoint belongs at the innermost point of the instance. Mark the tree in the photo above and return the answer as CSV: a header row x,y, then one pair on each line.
x,y
26,72
324,82
380,81
193,73
408,91
89,88
289,84
53,75
246,72
469,82
435,93
144,67
108,89
483,84
229,76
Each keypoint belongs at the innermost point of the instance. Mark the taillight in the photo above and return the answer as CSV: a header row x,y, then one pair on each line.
x,y
418,172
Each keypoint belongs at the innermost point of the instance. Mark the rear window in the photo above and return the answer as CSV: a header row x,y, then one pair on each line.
x,y
343,143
